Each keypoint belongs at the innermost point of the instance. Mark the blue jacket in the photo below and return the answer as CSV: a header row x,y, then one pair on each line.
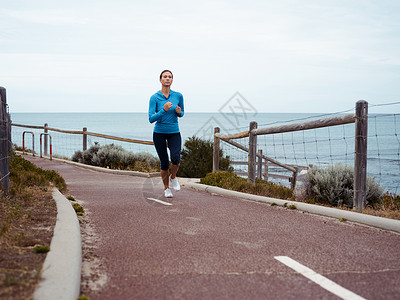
x,y
166,121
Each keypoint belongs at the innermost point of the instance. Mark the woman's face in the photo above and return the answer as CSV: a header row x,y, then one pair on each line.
x,y
166,79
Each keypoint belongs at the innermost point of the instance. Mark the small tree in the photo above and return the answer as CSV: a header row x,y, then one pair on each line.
x,y
197,158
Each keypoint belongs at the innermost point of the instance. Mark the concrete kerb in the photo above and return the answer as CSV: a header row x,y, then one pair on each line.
x,y
374,221
61,272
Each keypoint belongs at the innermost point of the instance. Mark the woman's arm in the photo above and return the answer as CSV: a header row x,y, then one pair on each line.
x,y
153,114
182,106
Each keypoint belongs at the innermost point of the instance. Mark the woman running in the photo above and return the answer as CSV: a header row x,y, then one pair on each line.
x,y
164,108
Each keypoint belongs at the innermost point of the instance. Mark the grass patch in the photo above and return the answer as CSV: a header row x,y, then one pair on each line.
x,y
41,249
78,209
231,181
27,218
25,174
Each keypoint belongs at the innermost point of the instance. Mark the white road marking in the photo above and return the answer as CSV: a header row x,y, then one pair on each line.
x,y
159,201
318,279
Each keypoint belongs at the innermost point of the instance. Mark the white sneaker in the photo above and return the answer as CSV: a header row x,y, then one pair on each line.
x,y
168,193
175,184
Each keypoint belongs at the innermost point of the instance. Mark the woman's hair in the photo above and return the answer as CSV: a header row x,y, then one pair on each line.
x,y
166,71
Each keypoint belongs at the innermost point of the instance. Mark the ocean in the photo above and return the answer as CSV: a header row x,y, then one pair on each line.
x,y
322,147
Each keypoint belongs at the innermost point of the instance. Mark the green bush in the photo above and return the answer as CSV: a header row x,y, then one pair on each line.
x,y
334,185
197,159
229,180
116,157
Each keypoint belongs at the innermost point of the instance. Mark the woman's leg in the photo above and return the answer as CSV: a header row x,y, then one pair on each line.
x,y
165,178
174,170
160,143
175,146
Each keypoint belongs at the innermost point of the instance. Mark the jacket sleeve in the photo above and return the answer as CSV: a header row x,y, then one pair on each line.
x,y
182,106
153,114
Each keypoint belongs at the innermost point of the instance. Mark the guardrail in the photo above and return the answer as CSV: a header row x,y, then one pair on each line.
x,y
51,145
84,134
33,142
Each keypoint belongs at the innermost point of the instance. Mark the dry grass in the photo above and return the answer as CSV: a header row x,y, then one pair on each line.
x,y
27,219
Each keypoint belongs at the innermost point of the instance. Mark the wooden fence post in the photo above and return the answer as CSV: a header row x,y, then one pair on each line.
x,y
251,165
266,171
84,139
293,180
45,143
360,158
216,151
260,165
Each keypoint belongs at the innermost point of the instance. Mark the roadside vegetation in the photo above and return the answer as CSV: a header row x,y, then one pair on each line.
x,y
197,158
230,181
332,186
27,218
116,157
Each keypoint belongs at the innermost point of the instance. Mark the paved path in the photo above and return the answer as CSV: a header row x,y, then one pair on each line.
x,y
206,246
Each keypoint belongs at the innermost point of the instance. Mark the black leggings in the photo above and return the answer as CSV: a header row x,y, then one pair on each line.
x,y
171,140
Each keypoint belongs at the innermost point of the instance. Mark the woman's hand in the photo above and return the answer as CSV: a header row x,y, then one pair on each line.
x,y
167,106
178,110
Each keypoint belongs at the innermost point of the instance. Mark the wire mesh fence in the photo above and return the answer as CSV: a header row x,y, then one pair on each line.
x,y
327,146
65,142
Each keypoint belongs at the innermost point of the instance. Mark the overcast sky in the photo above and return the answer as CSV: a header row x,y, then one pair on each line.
x,y
281,56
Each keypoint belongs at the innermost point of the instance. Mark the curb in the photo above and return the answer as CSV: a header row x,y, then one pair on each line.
x,y
374,221
99,169
61,272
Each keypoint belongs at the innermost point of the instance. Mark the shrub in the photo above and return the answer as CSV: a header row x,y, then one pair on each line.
x,y
116,157
231,181
197,159
334,185
113,156
86,157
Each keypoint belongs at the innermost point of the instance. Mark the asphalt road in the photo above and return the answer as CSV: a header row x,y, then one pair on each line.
x,y
203,246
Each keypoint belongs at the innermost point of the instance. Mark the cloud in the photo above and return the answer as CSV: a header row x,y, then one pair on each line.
x,y
311,51
45,16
